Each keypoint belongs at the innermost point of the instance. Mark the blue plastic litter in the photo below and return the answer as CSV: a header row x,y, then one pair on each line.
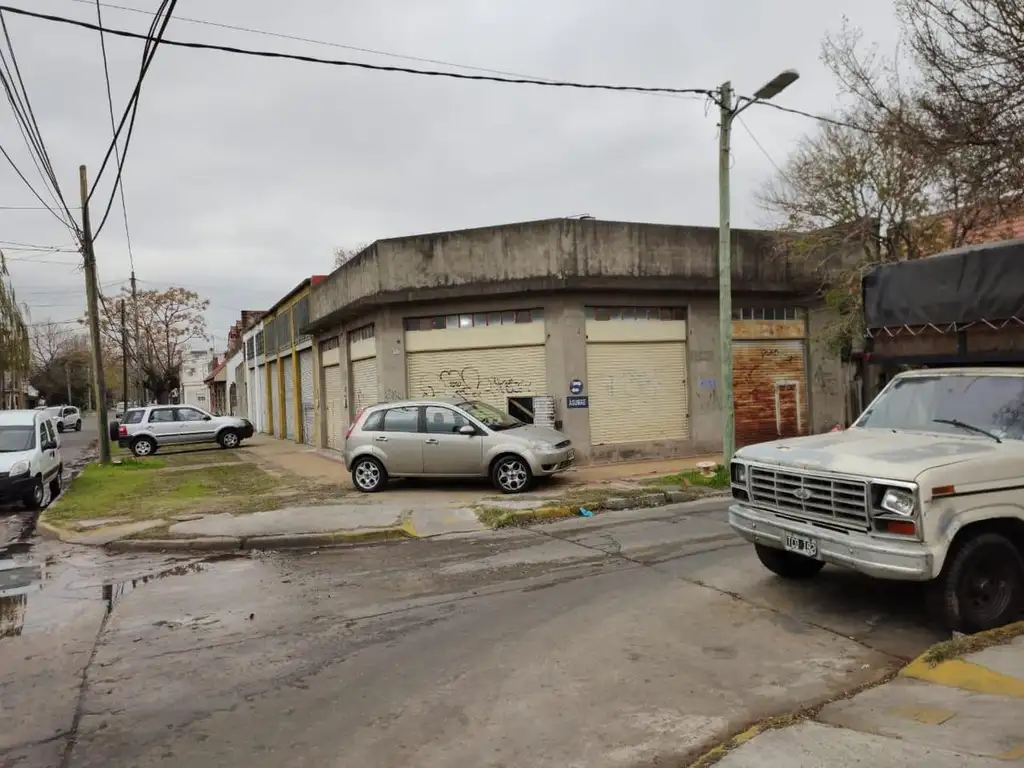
x,y
586,512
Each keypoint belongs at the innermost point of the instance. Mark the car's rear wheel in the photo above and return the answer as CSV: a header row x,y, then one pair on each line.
x,y
788,565
368,474
34,498
982,584
78,426
229,438
56,484
511,474
114,430
143,446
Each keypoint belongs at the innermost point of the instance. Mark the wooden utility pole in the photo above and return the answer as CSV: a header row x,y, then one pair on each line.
x,y
140,389
92,296
67,378
124,353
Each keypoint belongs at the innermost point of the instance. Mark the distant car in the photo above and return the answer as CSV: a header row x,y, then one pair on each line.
x,y
451,437
66,417
145,430
30,458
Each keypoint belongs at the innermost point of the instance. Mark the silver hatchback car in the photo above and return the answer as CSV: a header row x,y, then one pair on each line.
x,y
451,438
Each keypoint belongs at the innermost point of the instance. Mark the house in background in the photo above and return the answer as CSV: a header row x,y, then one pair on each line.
x,y
216,383
196,365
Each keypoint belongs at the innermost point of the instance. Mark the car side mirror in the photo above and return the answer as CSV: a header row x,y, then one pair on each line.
x,y
207,418
467,429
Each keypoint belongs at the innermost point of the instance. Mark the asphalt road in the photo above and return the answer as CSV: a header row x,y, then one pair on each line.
x,y
15,522
628,640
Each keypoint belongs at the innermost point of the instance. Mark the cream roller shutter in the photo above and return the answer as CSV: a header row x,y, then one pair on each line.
x,y
275,400
364,383
637,392
491,375
334,403
289,397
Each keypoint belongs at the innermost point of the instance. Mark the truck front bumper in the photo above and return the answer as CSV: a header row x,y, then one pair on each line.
x,y
881,558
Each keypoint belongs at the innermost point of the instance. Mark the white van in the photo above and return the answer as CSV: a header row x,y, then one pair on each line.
x,y
30,458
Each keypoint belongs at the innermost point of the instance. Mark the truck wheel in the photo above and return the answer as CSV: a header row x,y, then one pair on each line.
x,y
981,586
787,564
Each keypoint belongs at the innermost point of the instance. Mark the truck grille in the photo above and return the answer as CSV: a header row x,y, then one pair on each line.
x,y
833,501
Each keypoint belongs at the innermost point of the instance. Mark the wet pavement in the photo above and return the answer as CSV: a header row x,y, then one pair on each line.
x,y
626,640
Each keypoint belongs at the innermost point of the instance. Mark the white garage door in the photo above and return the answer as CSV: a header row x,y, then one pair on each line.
x,y
364,383
258,400
306,384
289,397
334,403
491,375
275,400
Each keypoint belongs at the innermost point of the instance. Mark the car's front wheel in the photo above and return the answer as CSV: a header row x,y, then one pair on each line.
x,y
982,584
511,474
368,474
143,446
788,565
36,496
229,438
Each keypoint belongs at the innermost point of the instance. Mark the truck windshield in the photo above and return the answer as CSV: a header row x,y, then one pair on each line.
x,y
994,404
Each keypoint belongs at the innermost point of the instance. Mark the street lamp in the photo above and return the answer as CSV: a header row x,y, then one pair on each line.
x,y
728,113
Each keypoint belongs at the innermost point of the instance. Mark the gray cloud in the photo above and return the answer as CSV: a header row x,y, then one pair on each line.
x,y
244,174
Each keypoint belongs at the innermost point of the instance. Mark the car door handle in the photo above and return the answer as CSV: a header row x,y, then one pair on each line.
x,y
432,441
381,439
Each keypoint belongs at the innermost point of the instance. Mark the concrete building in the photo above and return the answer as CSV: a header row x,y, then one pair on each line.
x,y
617,322
282,367
255,377
196,365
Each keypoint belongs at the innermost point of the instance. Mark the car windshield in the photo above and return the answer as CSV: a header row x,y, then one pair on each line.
x,y
17,438
490,416
963,404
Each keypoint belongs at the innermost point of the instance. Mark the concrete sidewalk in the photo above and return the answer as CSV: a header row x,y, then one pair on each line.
x,y
944,709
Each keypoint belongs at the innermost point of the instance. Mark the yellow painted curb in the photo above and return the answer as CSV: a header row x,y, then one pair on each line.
x,y
715,754
547,513
966,676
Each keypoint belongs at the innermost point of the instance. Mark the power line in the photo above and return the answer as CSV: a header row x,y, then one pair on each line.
x,y
812,116
344,46
31,208
113,128
360,64
764,151
33,246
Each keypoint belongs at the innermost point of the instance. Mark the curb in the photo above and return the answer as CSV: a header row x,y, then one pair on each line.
x,y
48,531
269,541
921,668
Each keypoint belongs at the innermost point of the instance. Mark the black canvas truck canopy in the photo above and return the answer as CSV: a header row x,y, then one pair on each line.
x,y
957,307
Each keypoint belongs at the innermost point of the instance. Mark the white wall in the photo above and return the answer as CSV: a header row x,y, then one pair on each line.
x,y
256,396
194,368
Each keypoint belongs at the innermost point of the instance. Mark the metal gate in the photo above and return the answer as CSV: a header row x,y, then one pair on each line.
x,y
306,393
334,400
274,411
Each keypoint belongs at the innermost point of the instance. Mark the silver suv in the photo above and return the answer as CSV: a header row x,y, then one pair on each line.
x,y
144,430
451,437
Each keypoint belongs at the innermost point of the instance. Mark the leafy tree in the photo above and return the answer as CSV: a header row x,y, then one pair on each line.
x,y
170,322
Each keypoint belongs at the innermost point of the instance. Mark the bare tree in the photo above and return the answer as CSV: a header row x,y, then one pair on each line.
x,y
343,254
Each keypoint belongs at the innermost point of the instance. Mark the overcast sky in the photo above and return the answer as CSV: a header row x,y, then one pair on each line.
x,y
243,174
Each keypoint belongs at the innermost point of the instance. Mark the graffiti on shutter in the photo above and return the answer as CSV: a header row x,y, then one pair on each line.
x,y
492,375
769,390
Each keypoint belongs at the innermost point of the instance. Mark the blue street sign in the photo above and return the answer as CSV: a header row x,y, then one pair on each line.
x,y
576,387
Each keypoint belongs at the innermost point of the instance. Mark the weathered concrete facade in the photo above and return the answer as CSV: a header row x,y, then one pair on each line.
x,y
572,297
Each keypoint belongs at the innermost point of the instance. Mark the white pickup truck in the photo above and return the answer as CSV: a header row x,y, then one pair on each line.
x,y
927,485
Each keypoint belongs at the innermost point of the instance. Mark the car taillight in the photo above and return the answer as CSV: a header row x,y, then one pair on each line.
x,y
354,422
122,431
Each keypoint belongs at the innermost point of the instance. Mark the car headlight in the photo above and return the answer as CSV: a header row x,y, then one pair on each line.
x,y
19,468
899,502
540,445
738,472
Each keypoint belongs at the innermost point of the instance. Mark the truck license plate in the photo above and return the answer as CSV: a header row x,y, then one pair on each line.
x,y
802,545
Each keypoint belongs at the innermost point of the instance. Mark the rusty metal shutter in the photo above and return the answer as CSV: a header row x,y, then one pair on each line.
x,y
274,427
491,375
364,383
334,404
306,393
637,392
769,383
289,397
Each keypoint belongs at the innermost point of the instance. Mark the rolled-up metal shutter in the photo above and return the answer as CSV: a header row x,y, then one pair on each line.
x,y
334,404
637,392
306,384
274,427
769,380
289,397
364,383
491,375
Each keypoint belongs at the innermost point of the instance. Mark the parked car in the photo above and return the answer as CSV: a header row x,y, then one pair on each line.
x,y
30,458
451,437
925,486
146,430
66,417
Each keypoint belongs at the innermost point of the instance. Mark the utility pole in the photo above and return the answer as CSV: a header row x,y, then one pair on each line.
x,y
92,293
728,113
140,389
124,354
67,379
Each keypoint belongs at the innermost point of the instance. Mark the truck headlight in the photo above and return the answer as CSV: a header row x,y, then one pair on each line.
x,y
19,468
899,502
739,473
